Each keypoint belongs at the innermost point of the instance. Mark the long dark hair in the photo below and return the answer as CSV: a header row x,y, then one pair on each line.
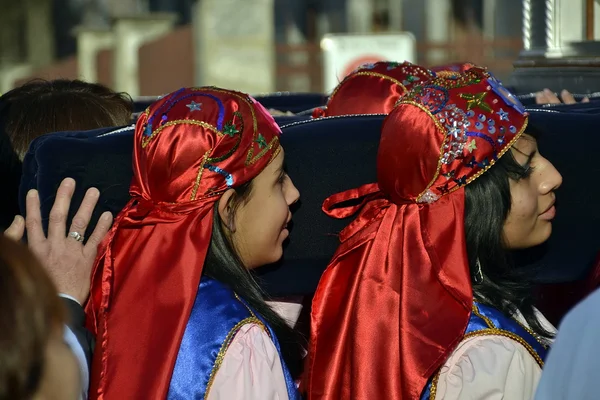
x,y
499,283
223,264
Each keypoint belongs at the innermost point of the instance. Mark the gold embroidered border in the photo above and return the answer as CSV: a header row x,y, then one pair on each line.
x,y
367,73
492,331
203,124
199,176
434,383
251,160
491,325
224,347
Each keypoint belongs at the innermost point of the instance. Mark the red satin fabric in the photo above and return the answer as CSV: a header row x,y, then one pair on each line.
x,y
138,338
146,276
374,89
380,300
395,300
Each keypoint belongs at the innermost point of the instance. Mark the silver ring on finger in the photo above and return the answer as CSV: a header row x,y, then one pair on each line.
x,y
76,235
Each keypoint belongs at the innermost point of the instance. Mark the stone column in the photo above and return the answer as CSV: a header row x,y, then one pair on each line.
x,y
234,42
555,53
360,16
550,26
130,33
90,41
437,27
395,14
40,35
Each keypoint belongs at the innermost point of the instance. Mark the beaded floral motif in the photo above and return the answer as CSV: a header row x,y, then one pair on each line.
x,y
476,124
456,122
405,75
433,97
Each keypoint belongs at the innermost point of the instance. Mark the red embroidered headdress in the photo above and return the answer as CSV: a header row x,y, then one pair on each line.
x,y
189,148
373,89
396,298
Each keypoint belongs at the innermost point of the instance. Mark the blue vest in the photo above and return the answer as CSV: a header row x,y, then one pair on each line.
x,y
217,315
486,320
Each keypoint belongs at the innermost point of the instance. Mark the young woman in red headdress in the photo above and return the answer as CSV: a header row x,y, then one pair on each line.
x,y
173,303
373,89
421,300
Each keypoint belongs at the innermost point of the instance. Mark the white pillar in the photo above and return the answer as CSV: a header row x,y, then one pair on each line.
x,y
568,25
360,16
395,14
489,18
130,34
234,43
549,26
9,74
437,23
40,33
597,20
90,42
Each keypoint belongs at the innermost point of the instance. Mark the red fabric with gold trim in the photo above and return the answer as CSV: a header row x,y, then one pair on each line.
x,y
455,67
395,300
190,147
373,89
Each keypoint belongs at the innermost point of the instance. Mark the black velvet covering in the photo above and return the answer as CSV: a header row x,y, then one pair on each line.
x,y
294,102
329,155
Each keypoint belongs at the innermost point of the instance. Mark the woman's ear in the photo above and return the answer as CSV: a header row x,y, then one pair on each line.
x,y
225,209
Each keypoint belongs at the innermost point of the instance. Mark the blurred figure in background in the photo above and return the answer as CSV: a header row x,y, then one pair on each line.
x,y
36,361
39,107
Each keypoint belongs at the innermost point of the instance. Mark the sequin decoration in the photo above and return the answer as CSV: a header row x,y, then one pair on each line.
x,y
431,96
262,143
230,130
227,175
193,106
475,133
410,79
428,197
456,122
472,146
476,100
393,65
503,115
509,98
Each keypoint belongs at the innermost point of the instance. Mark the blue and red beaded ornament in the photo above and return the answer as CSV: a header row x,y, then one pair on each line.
x,y
478,120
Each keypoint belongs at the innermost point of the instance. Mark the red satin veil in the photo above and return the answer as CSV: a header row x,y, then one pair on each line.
x,y
396,298
189,148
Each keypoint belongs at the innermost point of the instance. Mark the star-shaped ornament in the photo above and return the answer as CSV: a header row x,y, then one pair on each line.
x,y
503,115
262,142
472,146
193,106
476,100
230,130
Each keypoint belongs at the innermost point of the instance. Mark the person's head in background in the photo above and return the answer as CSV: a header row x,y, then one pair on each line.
x,y
36,362
40,107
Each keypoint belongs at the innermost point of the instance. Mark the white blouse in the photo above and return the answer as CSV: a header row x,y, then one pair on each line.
x,y
492,368
251,368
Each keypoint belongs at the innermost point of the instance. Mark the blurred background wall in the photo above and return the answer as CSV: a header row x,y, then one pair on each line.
x,y
150,47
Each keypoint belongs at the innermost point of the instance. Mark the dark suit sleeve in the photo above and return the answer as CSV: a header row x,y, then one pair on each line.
x,y
76,322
